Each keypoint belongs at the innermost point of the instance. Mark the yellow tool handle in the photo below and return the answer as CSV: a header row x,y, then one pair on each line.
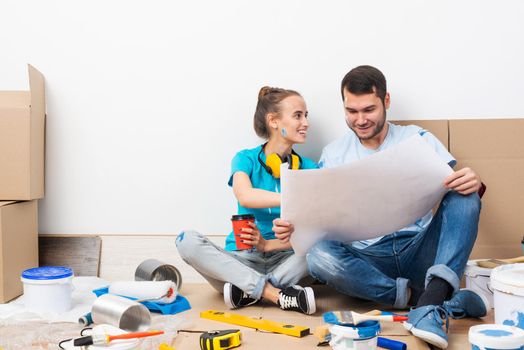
x,y
514,260
261,324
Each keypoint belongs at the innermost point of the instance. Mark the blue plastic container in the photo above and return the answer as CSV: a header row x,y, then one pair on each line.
x,y
47,289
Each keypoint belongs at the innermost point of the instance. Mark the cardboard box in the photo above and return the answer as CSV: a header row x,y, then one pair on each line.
x,y
18,245
22,130
494,148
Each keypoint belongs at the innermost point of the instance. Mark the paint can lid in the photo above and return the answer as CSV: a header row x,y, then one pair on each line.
x,y
508,279
47,273
496,336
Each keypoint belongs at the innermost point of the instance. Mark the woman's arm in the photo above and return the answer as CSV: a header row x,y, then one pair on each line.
x,y
253,237
250,197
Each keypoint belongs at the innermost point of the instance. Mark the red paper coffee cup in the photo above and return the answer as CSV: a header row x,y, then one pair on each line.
x,y
239,222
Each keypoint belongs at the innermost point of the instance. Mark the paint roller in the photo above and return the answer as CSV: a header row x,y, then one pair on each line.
x,y
162,292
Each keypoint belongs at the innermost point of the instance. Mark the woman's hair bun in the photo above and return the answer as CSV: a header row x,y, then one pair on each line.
x,y
266,90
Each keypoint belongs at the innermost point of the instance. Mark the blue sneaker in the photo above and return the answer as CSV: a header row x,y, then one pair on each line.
x,y
467,303
426,322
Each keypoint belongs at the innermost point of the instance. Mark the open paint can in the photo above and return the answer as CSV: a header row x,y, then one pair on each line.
x,y
353,337
121,312
477,279
47,289
156,270
496,337
507,282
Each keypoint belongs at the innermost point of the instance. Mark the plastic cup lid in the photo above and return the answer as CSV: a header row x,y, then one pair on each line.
x,y
47,273
496,336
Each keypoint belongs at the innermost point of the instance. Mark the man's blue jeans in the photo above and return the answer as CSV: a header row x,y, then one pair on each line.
x,y
384,271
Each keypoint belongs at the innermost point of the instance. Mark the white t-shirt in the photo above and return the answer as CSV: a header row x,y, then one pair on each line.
x,y
348,149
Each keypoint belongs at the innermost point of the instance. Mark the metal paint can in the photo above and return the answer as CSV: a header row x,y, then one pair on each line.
x,y
121,312
156,270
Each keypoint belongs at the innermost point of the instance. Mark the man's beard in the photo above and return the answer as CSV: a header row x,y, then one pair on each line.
x,y
378,128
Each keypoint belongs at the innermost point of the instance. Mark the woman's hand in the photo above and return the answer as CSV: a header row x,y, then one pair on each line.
x,y
251,236
283,230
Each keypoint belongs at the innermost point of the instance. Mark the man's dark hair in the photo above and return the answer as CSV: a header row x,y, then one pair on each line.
x,y
365,80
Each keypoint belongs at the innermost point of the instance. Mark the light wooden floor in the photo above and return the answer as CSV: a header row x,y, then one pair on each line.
x,y
202,297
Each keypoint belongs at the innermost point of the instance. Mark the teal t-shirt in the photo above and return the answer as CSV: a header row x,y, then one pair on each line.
x,y
247,162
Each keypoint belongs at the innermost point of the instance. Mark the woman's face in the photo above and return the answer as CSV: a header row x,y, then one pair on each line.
x,y
292,124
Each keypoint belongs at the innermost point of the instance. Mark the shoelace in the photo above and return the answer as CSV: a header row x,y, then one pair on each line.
x,y
441,314
287,301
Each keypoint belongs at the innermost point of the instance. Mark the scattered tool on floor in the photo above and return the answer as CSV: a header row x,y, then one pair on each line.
x,y
159,291
87,319
391,344
492,263
351,317
105,339
220,340
164,346
261,324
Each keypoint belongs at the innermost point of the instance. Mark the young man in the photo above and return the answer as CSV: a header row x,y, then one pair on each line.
x,y
419,265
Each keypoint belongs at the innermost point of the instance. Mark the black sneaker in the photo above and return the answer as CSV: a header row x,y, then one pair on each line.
x,y
235,297
298,299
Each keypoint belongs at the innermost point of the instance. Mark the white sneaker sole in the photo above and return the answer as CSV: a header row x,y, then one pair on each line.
x,y
227,296
310,295
428,337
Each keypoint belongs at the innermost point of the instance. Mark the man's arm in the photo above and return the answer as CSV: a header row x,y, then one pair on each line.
x,y
465,181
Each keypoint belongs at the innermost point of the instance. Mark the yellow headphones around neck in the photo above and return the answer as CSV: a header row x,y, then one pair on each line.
x,y
274,160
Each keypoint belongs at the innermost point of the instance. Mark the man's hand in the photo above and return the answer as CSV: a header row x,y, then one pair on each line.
x,y
464,181
283,230
252,237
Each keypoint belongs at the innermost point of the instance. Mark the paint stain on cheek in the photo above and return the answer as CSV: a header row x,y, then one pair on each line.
x,y
283,132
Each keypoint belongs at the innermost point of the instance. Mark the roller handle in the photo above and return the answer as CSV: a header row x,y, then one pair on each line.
x,y
390,318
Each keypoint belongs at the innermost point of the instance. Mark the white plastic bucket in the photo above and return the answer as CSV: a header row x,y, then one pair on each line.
x,y
496,337
47,289
507,282
350,337
477,279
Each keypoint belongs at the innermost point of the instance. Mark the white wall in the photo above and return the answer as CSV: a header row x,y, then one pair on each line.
x,y
149,100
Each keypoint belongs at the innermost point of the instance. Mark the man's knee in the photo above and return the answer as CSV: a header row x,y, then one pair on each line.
x,y
187,243
466,206
320,259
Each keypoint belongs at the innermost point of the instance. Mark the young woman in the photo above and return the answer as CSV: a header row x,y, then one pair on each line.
x,y
271,270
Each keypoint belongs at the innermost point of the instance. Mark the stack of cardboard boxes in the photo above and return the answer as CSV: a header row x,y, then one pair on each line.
x,y
22,140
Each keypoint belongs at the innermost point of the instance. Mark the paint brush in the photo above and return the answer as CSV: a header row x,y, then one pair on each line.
x,y
104,339
351,317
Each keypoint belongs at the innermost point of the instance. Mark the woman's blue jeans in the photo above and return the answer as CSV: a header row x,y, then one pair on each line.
x,y
384,271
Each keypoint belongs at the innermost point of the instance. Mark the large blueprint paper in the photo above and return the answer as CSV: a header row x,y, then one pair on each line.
x,y
366,199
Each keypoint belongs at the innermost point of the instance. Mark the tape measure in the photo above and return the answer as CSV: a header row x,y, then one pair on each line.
x,y
258,323
220,340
